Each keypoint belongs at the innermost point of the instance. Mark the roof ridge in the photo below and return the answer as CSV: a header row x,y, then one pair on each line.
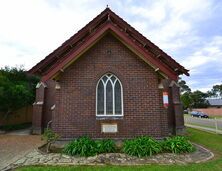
x,y
69,39
79,37
137,32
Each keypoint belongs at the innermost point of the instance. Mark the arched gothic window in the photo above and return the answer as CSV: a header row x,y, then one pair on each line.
x,y
109,96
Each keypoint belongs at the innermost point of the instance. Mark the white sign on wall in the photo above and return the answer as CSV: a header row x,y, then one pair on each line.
x,y
109,128
165,99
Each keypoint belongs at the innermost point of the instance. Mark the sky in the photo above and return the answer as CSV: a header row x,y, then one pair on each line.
x,y
188,30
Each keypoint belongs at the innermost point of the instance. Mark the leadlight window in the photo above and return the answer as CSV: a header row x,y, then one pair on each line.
x,y
109,96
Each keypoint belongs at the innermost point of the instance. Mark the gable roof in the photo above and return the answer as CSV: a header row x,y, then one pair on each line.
x,y
107,21
215,102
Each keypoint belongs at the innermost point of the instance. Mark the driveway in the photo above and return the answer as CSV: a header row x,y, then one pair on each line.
x,y
13,147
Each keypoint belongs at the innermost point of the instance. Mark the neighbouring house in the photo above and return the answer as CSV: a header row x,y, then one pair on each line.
x,y
214,108
215,103
108,81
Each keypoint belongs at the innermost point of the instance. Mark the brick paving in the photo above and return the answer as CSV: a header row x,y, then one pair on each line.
x,y
14,147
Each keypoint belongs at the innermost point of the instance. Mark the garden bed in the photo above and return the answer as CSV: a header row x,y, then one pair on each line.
x,y
37,158
38,161
138,151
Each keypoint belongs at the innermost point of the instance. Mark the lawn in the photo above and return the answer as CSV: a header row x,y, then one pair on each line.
x,y
210,121
208,140
205,126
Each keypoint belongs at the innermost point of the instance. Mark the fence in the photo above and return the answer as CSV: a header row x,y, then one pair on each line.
x,y
212,125
23,115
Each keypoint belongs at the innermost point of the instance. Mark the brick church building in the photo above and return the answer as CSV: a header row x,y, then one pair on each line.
x,y
108,81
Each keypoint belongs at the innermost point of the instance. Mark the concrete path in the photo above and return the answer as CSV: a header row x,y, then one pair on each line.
x,y
14,147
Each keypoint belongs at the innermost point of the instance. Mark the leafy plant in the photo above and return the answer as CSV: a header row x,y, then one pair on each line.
x,y
177,144
83,146
50,137
141,146
105,146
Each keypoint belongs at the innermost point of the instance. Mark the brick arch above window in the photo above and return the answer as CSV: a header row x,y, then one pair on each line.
x,y
112,70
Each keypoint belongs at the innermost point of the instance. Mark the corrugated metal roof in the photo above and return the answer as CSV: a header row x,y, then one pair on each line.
x,y
215,102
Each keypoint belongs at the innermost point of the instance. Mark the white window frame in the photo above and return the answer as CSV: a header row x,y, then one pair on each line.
x,y
109,76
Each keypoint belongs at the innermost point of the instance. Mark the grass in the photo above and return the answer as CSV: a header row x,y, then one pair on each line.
x,y
203,125
217,117
208,140
206,126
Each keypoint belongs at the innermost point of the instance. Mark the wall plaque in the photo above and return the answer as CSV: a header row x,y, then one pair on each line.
x,y
109,128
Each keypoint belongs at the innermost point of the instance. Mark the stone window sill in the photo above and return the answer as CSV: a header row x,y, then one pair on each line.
x,y
109,117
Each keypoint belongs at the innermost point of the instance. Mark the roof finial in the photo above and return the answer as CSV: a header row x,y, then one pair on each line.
x,y
108,17
107,6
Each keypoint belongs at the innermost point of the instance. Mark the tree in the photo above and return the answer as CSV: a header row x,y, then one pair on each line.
x,y
186,100
183,86
196,99
185,92
17,89
199,99
216,91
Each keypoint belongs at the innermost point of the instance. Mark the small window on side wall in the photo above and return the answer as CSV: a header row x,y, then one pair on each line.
x,y
109,96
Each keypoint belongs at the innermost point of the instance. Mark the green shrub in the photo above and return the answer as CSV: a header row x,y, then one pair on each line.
x,y
49,136
141,146
177,144
83,146
105,146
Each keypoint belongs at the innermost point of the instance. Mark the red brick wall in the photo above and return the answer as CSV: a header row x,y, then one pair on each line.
x,y
144,114
37,119
170,109
49,101
38,111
